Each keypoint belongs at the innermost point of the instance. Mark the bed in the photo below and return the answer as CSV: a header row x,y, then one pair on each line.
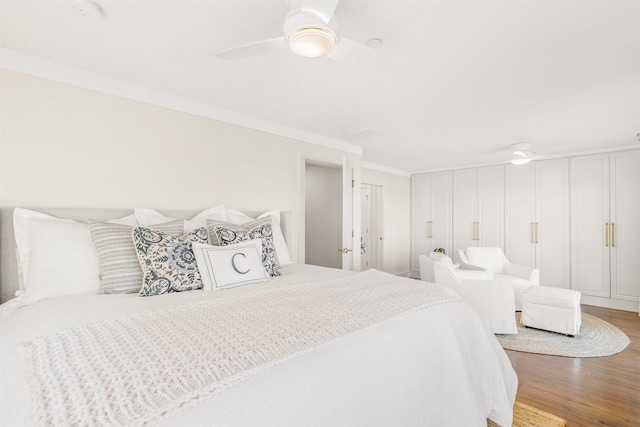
x,y
351,349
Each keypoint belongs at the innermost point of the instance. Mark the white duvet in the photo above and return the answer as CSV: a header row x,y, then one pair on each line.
x,y
435,367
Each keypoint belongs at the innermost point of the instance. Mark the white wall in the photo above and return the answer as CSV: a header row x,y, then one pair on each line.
x,y
65,146
396,233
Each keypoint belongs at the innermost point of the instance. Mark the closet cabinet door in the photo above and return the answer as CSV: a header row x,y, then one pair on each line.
x,y
464,209
440,215
519,214
590,228
490,207
625,224
552,229
420,185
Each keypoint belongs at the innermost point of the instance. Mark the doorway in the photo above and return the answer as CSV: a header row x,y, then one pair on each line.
x,y
371,227
323,215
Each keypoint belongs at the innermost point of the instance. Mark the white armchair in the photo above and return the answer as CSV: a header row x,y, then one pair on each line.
x,y
493,300
494,260
472,273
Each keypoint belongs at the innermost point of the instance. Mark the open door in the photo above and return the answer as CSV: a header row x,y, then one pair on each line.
x,y
348,245
329,215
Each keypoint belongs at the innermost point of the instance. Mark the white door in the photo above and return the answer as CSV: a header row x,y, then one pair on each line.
x,y
439,212
590,225
366,227
465,226
371,248
420,220
625,224
350,240
490,207
551,224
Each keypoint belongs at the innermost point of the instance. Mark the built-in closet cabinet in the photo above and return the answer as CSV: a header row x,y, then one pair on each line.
x,y
478,208
430,215
605,228
537,219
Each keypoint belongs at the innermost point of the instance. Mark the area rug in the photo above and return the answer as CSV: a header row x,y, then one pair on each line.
x,y
596,338
528,416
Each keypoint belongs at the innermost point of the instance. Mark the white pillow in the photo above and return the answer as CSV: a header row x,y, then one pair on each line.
x,y
236,217
150,217
229,266
56,256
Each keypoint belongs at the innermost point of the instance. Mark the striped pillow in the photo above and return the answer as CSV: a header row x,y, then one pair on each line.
x,y
120,271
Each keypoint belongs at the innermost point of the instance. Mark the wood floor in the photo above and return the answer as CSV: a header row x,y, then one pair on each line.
x,y
599,391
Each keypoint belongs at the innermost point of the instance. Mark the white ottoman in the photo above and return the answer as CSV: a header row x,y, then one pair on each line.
x,y
552,309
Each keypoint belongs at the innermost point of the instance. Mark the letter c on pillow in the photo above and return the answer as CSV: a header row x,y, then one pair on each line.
x,y
233,263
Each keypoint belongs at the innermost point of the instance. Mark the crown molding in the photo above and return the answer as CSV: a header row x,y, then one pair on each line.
x,y
385,169
51,70
539,157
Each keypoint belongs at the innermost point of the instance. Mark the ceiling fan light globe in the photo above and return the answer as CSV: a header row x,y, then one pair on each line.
x,y
520,160
311,41
521,157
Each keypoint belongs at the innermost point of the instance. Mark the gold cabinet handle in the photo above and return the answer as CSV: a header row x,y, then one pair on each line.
x,y
532,239
344,250
537,232
477,231
606,234
613,235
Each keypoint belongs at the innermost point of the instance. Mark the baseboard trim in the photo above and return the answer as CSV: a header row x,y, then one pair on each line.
x,y
610,303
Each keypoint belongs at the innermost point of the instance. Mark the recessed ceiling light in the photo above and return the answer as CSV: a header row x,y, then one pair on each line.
x,y
374,43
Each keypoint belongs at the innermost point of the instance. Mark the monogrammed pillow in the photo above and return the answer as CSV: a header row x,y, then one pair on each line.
x,y
232,265
224,233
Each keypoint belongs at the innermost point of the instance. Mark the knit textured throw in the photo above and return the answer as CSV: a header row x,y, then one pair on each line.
x,y
146,366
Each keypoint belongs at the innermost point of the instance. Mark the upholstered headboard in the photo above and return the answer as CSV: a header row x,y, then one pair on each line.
x,y
8,261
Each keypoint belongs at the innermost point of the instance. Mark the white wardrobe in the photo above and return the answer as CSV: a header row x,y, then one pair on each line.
x,y
478,207
605,228
537,219
577,219
431,217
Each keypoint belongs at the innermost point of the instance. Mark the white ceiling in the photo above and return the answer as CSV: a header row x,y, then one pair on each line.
x,y
455,83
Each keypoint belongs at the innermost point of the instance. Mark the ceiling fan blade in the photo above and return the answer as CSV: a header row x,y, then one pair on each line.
x,y
323,9
253,49
347,52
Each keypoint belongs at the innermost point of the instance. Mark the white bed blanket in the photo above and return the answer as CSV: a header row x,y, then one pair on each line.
x,y
429,367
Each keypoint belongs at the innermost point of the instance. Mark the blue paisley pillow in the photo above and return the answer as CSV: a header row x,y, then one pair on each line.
x,y
168,263
224,233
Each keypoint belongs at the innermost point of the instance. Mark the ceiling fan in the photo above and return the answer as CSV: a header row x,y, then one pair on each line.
x,y
310,31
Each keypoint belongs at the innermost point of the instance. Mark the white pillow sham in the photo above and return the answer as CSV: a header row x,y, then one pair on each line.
x,y
236,217
150,217
56,256
229,266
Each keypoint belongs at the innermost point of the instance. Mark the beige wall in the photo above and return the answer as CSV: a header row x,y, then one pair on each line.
x,y
65,146
396,205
